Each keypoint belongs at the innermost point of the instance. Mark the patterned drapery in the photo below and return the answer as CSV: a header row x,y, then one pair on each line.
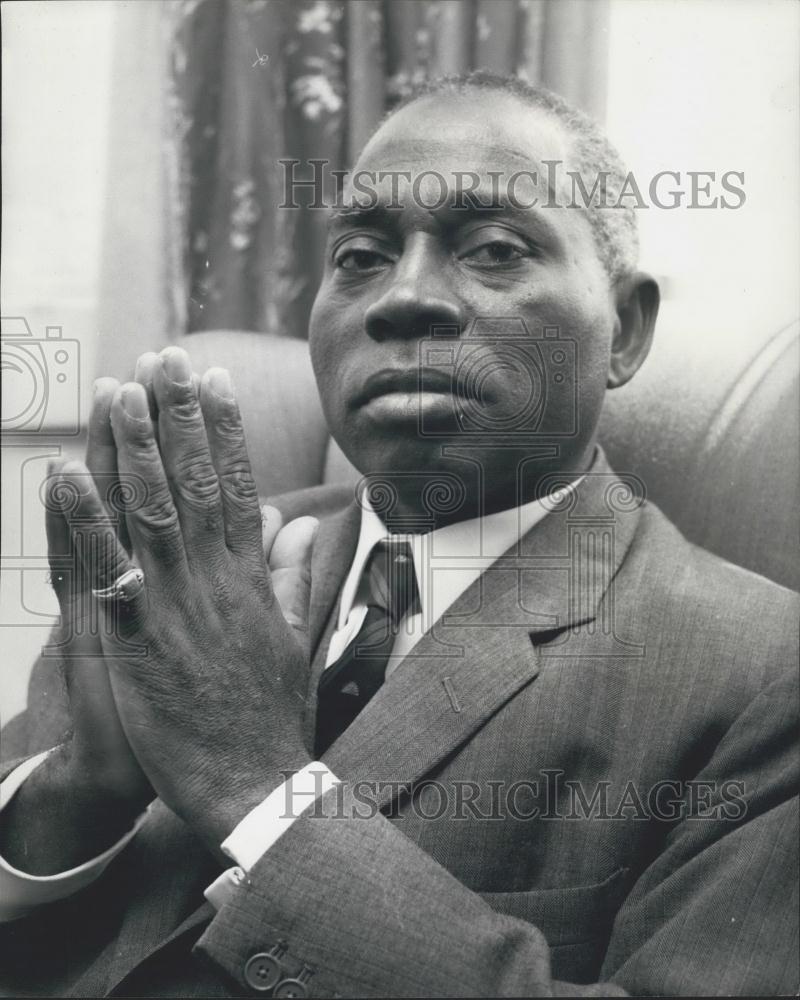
x,y
244,84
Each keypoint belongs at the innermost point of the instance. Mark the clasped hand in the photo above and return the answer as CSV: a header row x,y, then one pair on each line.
x,y
199,679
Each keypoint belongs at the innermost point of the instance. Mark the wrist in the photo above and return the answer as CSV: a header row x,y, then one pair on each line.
x,y
241,794
102,787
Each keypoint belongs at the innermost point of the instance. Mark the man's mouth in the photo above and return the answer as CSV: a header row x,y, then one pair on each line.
x,y
417,382
403,394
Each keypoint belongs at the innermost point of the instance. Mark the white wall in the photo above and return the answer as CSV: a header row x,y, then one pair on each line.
x,y
713,85
56,71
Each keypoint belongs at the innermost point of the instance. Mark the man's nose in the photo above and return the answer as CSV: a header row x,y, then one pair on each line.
x,y
417,300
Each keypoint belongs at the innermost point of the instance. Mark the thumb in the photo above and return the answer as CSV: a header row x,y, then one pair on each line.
x,y
290,567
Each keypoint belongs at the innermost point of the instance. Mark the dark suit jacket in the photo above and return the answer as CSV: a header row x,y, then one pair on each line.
x,y
600,659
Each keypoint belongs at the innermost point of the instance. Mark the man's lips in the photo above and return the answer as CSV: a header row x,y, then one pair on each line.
x,y
408,381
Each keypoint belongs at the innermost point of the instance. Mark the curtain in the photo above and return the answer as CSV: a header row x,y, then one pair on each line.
x,y
212,94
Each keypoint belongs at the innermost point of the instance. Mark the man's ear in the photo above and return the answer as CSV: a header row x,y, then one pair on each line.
x,y
637,298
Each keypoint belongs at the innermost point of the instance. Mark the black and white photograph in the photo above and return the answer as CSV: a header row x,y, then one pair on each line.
x,y
400,564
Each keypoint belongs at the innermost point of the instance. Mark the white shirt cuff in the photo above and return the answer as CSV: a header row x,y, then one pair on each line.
x,y
262,826
19,892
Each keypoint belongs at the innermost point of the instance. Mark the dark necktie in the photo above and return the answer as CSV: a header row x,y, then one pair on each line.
x,y
347,685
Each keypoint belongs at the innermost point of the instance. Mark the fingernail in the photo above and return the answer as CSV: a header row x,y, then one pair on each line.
x,y
105,384
177,364
220,381
134,399
144,366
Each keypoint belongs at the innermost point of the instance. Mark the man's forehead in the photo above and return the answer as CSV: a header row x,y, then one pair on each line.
x,y
446,159
464,132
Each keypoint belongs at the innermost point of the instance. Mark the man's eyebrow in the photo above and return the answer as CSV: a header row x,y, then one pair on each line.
x,y
486,204
460,207
359,215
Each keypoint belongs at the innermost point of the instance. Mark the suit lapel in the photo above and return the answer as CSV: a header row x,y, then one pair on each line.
x,y
489,645
455,679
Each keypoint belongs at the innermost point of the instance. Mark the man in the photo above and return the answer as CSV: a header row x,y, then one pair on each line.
x,y
550,741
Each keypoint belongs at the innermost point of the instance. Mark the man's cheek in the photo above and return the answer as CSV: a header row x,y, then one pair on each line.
x,y
326,377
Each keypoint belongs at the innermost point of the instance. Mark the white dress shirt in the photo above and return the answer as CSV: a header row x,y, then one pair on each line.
x,y
446,562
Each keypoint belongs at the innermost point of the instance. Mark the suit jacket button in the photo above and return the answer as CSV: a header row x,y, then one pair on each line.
x,y
297,986
262,972
291,988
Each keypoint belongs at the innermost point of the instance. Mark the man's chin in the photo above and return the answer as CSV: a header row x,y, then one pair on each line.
x,y
400,453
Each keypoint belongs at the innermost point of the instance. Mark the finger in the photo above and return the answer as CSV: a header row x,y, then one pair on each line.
x,y
271,524
153,525
187,459
101,455
78,644
66,573
290,569
225,434
95,541
143,374
79,627
91,529
101,452
92,708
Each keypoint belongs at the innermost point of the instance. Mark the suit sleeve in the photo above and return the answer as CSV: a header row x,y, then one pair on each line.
x,y
368,913
26,741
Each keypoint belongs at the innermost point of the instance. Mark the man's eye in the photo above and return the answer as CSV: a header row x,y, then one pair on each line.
x,y
359,260
496,252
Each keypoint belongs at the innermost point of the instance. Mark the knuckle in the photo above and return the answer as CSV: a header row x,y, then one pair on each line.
x,y
195,473
222,592
196,481
228,421
238,482
139,438
183,406
163,546
158,515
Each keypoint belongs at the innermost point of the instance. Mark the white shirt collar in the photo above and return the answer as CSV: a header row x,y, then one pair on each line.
x,y
446,560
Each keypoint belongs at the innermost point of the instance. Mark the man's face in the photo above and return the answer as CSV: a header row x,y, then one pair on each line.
x,y
394,273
